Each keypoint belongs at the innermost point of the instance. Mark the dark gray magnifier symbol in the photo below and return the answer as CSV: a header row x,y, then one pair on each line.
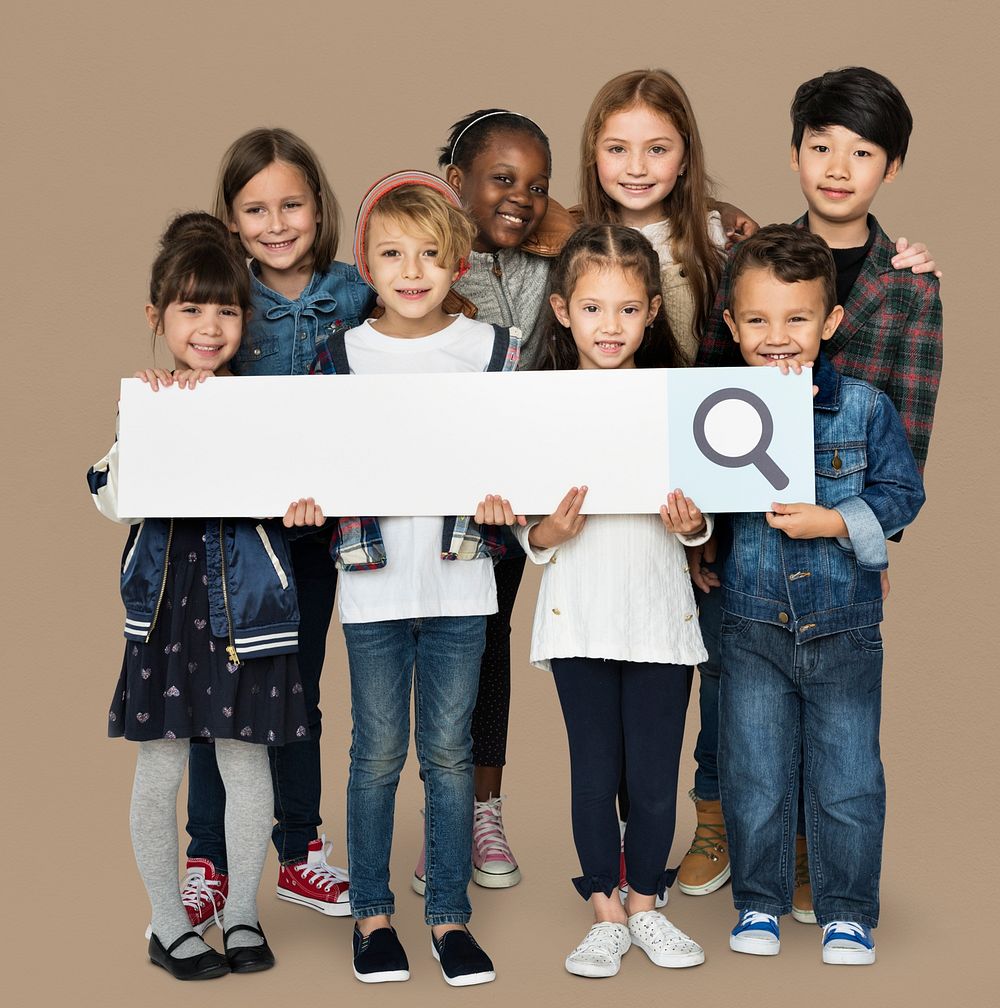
x,y
727,450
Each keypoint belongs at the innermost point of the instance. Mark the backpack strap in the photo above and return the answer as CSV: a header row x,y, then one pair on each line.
x,y
332,357
501,348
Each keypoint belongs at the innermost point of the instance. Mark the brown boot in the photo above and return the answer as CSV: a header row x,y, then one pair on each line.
x,y
802,898
706,865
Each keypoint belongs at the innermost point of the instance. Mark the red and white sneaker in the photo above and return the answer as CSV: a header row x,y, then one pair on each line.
x,y
661,901
493,864
204,895
314,883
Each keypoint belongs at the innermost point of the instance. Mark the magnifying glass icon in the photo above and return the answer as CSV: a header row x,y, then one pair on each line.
x,y
726,433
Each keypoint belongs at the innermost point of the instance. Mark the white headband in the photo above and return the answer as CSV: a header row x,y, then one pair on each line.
x,y
486,115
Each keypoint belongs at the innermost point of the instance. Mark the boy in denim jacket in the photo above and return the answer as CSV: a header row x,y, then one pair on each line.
x,y
850,132
802,603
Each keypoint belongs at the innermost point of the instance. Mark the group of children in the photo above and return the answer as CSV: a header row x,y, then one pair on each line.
x,y
226,619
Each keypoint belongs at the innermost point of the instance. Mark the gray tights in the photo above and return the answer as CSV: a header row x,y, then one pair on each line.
x,y
245,772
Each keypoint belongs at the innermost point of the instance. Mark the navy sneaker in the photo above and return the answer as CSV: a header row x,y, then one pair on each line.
x,y
463,962
378,957
848,943
756,934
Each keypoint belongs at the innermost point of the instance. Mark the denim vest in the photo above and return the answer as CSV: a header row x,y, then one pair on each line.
x,y
282,336
865,470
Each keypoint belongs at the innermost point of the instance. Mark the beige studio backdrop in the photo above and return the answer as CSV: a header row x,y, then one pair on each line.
x,y
115,117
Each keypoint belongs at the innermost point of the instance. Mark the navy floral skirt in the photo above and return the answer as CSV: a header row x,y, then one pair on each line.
x,y
182,685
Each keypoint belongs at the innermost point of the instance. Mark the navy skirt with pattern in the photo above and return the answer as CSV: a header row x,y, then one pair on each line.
x,y
182,685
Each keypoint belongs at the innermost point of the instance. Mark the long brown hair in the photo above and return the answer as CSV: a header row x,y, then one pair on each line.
x,y
252,153
606,246
686,206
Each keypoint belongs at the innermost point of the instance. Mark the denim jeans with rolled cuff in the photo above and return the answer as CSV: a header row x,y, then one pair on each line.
x,y
819,700
440,657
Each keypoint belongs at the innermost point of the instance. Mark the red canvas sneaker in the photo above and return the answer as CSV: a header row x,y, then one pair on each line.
x,y
314,883
204,894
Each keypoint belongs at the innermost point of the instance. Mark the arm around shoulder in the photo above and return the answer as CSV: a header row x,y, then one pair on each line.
x,y
916,372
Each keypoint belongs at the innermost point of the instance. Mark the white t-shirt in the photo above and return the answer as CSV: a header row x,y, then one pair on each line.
x,y
415,581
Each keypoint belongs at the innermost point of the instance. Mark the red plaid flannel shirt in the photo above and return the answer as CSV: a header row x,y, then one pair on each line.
x,y
890,336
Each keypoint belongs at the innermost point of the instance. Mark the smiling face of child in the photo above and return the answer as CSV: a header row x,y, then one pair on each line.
x,y
276,216
505,189
199,336
639,156
773,321
840,172
607,313
408,277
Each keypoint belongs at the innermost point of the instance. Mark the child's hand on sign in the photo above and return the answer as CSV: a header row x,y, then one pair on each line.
x,y
304,511
496,510
563,524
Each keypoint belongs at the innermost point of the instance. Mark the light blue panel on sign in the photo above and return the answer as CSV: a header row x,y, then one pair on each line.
x,y
741,438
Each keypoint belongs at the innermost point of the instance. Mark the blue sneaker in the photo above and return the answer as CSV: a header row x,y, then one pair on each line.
x,y
848,943
756,934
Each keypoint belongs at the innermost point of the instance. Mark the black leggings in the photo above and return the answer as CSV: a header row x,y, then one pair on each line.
x,y
489,719
617,713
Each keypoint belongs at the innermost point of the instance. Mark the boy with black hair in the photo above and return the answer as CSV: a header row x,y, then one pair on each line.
x,y
850,132
802,603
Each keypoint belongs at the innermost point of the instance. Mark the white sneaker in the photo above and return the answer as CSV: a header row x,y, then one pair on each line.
x,y
662,942
600,953
847,943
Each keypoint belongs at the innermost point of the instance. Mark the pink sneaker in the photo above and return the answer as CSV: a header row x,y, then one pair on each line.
x,y
493,864
419,881
314,883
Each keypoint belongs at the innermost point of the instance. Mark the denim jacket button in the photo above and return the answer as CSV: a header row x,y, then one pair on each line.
x,y
782,617
256,351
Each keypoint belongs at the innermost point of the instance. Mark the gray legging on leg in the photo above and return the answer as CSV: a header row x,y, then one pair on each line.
x,y
153,821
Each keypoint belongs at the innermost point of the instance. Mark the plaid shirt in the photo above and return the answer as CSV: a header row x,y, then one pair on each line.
x,y
890,337
357,543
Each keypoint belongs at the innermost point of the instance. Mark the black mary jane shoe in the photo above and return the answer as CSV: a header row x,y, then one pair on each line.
x,y
206,966
248,958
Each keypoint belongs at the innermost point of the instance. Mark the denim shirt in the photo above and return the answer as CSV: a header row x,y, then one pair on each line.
x,y
283,336
865,470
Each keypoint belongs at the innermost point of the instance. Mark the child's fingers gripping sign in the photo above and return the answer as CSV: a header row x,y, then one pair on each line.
x,y
563,524
304,511
496,510
681,514
155,377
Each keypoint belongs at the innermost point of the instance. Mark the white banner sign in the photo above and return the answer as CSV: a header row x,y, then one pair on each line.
x,y
735,439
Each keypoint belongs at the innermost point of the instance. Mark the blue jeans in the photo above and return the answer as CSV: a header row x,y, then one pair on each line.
x,y
820,700
441,656
295,767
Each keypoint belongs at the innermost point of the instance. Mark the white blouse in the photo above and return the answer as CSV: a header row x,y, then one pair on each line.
x,y
619,590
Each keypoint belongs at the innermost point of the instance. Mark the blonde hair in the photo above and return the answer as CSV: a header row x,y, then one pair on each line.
x,y
419,209
686,205
261,147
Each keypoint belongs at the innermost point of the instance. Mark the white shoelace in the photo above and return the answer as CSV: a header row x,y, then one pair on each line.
x,y
487,831
756,917
656,930
198,890
323,876
850,929
603,942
